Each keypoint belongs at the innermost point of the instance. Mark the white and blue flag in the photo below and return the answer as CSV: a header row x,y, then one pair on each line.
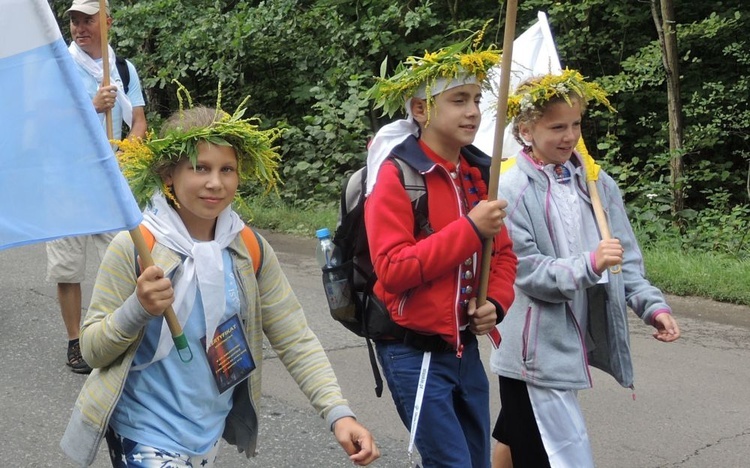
x,y
58,174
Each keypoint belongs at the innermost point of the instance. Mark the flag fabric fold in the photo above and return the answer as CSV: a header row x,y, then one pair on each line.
x,y
534,53
58,174
592,168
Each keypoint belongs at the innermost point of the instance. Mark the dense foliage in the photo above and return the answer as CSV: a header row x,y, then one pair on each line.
x,y
307,63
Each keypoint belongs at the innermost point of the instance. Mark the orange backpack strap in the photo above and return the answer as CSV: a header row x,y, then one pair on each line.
x,y
249,237
252,242
147,236
150,240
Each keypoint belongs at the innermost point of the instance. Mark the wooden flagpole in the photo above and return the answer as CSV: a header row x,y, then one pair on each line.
x,y
497,149
170,317
105,58
592,175
140,243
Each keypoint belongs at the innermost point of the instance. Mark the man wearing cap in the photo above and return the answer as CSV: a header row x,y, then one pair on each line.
x,y
66,258
86,50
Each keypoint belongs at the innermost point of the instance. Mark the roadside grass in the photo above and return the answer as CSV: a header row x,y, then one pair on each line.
x,y
704,274
709,275
271,213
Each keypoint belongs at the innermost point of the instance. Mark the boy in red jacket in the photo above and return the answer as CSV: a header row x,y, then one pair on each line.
x,y
428,278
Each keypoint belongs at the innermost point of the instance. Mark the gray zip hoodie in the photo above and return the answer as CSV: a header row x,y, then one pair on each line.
x,y
543,342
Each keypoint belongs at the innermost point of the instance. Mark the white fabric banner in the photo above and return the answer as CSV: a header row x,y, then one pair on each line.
x,y
534,53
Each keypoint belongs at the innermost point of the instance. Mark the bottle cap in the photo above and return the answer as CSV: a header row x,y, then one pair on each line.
x,y
322,232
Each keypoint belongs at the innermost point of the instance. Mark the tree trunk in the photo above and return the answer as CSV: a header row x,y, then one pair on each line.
x,y
663,14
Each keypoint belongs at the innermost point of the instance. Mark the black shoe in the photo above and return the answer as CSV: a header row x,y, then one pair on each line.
x,y
75,360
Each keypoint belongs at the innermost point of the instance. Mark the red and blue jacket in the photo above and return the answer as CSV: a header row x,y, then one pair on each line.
x,y
426,280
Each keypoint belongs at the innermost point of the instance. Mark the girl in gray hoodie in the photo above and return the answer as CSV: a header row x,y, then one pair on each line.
x,y
574,282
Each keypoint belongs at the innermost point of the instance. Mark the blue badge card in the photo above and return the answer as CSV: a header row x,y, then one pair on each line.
x,y
562,174
229,356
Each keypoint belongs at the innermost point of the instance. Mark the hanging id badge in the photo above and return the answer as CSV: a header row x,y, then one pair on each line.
x,y
229,356
562,174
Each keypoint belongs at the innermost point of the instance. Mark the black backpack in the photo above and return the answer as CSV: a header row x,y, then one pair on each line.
x,y
351,239
124,71
369,317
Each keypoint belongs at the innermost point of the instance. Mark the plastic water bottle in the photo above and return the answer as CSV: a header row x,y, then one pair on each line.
x,y
327,254
335,277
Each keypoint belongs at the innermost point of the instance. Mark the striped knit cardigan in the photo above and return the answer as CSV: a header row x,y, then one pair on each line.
x,y
113,329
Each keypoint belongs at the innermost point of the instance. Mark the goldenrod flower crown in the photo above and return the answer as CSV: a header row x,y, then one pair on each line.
x,y
535,93
143,160
455,62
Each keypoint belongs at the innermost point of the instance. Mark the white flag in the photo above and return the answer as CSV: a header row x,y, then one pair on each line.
x,y
534,53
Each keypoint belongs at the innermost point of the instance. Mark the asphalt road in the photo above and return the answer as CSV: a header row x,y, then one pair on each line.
x,y
691,406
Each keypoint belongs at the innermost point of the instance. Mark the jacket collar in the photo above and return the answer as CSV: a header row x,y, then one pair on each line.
x,y
532,169
410,152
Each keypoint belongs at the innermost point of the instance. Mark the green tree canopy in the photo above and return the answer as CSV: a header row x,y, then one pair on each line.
x,y
307,63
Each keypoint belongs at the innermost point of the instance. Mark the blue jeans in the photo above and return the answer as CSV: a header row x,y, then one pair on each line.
x,y
454,422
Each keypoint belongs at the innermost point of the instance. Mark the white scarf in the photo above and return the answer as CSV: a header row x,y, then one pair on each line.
x,y
387,138
203,267
96,70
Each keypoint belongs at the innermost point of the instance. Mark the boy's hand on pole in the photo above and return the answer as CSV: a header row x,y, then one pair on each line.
x,y
482,319
488,216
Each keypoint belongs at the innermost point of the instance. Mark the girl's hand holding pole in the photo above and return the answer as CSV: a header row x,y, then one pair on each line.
x,y
154,291
608,254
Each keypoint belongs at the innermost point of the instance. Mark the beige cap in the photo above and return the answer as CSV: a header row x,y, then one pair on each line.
x,y
89,7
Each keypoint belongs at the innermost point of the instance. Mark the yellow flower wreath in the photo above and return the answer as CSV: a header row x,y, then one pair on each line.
x,y
535,93
257,157
463,58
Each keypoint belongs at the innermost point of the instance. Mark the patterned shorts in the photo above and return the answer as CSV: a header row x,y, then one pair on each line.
x,y
126,453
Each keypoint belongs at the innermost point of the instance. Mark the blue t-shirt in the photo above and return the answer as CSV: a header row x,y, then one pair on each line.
x,y
173,405
134,93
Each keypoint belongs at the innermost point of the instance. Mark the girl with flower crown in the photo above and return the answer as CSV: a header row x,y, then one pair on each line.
x,y
572,287
154,406
428,277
